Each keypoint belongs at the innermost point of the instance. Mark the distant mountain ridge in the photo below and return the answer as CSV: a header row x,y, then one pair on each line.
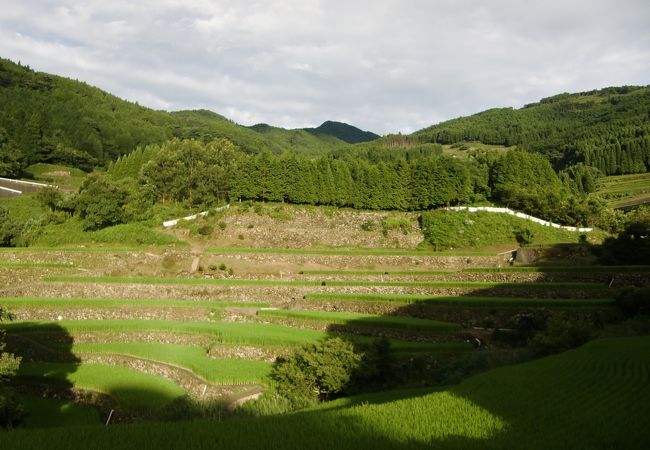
x,y
48,118
344,132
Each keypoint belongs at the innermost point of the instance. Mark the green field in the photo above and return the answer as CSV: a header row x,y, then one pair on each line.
x,y
625,190
365,320
464,301
217,371
47,412
133,390
39,302
595,397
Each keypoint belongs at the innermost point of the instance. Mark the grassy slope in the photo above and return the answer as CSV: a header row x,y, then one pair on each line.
x,y
463,229
595,397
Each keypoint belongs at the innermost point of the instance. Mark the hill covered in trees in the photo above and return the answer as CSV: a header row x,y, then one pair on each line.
x,y
47,118
343,131
608,129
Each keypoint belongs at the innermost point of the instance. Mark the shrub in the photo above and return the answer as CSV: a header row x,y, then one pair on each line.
x,y
396,223
368,225
524,236
315,371
634,301
559,335
222,225
240,237
205,229
222,266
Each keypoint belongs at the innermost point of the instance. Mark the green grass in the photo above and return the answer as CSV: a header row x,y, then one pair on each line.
x,y
46,173
50,412
472,301
134,391
594,397
71,233
349,252
80,248
365,320
254,334
42,302
217,371
464,229
23,208
342,283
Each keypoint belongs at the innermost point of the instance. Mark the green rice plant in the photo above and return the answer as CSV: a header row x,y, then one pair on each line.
x,y
224,333
593,397
42,302
76,249
471,301
134,391
194,359
365,320
51,412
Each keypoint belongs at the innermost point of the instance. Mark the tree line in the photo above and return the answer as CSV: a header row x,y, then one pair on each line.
x,y
196,173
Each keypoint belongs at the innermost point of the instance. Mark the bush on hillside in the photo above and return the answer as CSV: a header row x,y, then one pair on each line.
x,y
560,334
633,300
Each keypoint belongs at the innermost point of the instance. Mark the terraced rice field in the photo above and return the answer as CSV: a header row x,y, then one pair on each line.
x,y
145,327
625,190
594,397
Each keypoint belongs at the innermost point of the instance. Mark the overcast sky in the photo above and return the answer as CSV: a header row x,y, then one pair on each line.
x,y
381,65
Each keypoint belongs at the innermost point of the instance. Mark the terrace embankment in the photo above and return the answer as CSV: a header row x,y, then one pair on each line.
x,y
195,386
294,226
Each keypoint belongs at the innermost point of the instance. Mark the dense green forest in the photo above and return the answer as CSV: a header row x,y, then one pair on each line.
x,y
608,129
552,152
46,118
191,172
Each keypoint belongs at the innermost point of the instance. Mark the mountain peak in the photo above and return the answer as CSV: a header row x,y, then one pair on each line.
x,y
344,132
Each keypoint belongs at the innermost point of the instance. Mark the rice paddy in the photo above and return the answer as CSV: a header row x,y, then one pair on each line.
x,y
277,302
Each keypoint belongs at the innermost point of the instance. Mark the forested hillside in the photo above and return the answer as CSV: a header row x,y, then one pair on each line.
x,y
608,129
343,131
46,118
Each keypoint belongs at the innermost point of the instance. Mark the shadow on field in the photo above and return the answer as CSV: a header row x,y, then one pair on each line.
x,y
46,359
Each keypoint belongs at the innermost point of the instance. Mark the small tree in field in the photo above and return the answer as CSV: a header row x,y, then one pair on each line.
x,y
316,371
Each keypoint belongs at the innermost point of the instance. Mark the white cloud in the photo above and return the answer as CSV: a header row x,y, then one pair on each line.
x,y
383,65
